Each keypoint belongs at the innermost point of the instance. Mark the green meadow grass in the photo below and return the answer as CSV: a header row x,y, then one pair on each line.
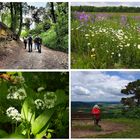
x,y
106,43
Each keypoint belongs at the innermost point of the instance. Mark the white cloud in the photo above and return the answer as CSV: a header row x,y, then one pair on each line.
x,y
98,86
79,90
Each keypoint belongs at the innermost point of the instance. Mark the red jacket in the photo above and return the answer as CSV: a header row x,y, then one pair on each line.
x,y
96,112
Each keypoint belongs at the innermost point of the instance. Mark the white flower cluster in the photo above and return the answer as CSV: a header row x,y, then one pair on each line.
x,y
50,99
13,114
39,104
17,94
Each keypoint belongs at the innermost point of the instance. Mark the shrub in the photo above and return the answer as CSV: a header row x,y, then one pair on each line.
x,y
49,38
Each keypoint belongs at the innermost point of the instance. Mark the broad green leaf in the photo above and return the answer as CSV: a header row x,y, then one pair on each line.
x,y
16,136
41,121
27,111
22,129
41,134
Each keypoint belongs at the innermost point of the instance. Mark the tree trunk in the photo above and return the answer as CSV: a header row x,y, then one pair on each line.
x,y
12,16
20,24
53,12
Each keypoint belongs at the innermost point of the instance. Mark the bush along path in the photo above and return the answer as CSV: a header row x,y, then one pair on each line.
x,y
19,58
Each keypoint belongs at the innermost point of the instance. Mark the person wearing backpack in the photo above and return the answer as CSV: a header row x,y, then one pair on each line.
x,y
96,113
30,43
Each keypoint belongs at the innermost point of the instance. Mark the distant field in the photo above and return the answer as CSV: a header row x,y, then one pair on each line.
x,y
83,109
105,40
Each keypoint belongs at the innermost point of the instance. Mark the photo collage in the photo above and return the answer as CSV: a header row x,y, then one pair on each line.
x,y
69,69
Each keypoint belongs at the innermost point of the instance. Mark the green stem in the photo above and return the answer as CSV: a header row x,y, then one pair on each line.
x,y
29,134
16,127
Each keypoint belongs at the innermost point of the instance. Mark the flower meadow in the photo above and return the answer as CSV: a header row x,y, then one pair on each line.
x,y
34,105
105,40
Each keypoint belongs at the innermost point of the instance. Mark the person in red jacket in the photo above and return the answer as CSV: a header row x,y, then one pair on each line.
x,y
96,113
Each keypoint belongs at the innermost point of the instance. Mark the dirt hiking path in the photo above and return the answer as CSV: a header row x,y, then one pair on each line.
x,y
107,128
20,58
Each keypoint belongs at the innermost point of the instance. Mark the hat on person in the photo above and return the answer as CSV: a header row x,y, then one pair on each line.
x,y
96,106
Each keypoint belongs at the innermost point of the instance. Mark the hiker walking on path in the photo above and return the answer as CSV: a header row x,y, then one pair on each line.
x,y
35,43
25,42
39,43
30,43
96,113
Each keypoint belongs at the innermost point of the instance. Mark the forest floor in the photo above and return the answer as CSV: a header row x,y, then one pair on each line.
x,y
14,56
85,128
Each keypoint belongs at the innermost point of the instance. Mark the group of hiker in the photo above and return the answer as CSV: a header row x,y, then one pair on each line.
x,y
29,41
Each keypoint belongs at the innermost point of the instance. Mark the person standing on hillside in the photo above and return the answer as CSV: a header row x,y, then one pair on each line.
x,y
30,43
96,113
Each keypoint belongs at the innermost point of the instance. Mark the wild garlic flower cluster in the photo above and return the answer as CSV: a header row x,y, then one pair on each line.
x,y
39,104
17,94
13,114
48,102
50,99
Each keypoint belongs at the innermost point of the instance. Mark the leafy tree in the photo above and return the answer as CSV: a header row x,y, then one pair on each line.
x,y
106,9
133,89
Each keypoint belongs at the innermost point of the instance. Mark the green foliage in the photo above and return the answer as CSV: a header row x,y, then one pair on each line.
x,y
49,38
61,27
133,88
132,113
3,133
42,120
24,33
106,9
35,120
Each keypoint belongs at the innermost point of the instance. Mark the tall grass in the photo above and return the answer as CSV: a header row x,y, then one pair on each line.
x,y
108,42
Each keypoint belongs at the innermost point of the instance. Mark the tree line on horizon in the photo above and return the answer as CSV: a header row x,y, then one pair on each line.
x,y
106,9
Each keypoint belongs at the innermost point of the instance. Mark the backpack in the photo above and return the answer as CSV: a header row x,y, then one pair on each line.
x,y
30,39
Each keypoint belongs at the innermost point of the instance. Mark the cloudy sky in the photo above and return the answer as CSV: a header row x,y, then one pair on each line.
x,y
100,86
100,4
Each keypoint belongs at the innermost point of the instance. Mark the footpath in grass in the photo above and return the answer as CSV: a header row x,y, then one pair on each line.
x,y
111,128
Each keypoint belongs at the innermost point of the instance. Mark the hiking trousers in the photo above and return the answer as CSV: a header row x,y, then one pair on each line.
x,y
30,47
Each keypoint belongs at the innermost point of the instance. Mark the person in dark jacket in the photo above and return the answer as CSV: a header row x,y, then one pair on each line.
x,y
30,43
25,42
35,43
